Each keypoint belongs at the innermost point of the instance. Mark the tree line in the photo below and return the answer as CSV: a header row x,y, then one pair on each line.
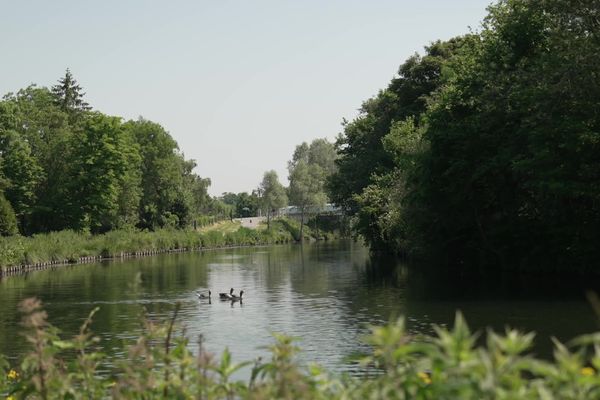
x,y
308,170
485,150
64,165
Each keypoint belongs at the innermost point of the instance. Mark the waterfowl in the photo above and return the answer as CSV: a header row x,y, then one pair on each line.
x,y
226,296
237,298
203,296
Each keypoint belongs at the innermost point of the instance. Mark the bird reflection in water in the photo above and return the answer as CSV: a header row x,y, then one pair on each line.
x,y
202,296
235,299
233,302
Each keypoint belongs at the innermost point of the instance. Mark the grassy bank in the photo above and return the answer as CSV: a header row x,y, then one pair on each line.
x,y
72,247
160,365
69,246
311,231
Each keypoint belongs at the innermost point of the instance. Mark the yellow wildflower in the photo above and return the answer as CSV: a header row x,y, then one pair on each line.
x,y
12,374
424,377
587,371
10,398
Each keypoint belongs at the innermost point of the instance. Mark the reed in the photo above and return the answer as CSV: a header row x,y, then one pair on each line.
x,y
70,247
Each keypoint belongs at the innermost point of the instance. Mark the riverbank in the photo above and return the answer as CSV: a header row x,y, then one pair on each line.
x,y
19,254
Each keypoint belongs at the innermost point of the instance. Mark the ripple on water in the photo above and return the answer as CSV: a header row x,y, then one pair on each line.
x,y
324,294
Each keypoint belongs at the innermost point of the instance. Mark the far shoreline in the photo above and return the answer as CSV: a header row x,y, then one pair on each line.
x,y
21,255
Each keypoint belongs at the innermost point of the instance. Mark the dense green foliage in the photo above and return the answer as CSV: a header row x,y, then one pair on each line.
x,y
8,220
310,167
484,152
160,365
242,204
272,194
63,166
362,156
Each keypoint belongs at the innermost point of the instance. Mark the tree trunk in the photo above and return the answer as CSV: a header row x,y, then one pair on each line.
x,y
302,225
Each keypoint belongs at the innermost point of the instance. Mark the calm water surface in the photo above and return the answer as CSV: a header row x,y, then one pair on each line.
x,y
325,294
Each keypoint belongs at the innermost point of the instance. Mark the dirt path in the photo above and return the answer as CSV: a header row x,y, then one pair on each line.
x,y
251,222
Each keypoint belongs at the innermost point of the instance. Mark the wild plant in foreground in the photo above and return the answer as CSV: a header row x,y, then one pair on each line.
x,y
160,365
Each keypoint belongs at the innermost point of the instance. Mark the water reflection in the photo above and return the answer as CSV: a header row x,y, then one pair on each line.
x,y
325,294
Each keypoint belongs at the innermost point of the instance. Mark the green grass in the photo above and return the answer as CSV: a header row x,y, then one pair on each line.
x,y
222,226
69,246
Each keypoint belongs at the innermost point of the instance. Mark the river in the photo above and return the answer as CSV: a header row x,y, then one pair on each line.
x,y
326,294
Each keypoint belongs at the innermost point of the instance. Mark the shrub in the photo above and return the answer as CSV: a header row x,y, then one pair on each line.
x,y
160,365
8,220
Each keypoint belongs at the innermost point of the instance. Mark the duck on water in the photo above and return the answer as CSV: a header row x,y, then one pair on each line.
x,y
223,296
237,298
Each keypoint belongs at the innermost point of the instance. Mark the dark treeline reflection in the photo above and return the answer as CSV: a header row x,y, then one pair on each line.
x,y
549,305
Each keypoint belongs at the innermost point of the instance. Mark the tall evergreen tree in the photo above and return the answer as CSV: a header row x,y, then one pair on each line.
x,y
69,95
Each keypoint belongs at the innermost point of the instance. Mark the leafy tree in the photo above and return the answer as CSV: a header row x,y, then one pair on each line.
x,y
301,153
499,166
8,220
362,156
273,194
384,216
65,167
22,171
130,181
307,188
219,209
195,200
511,178
247,205
162,168
46,130
483,152
319,152
103,183
229,198
309,169
34,114
196,191
243,204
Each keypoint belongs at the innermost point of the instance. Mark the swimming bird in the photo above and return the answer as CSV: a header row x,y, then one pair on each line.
x,y
226,296
237,298
203,296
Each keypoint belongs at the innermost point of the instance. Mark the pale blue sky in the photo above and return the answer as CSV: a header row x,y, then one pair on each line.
x,y
237,83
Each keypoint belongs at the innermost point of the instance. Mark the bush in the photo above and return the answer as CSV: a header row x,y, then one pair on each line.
x,y
446,366
8,220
